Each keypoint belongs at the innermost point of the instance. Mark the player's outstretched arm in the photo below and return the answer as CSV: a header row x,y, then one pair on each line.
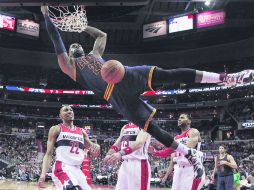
x,y
116,147
94,148
63,59
140,141
100,40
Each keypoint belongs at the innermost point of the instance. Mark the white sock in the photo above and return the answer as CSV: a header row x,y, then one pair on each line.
x,y
209,77
182,149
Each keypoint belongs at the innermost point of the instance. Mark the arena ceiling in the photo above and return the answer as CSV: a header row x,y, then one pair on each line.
x,y
123,21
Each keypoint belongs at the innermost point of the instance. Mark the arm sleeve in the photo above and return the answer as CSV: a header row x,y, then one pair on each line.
x,y
55,36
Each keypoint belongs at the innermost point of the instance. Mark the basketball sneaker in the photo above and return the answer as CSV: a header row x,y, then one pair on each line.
x,y
243,77
196,160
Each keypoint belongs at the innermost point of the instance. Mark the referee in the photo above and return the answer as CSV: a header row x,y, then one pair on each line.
x,y
224,166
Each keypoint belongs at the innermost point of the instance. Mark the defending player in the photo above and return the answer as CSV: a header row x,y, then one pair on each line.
x,y
131,146
70,142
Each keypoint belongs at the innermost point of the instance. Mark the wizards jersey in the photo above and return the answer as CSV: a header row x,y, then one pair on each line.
x,y
70,145
129,136
184,138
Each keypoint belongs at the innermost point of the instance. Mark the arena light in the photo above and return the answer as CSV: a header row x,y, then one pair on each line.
x,y
207,2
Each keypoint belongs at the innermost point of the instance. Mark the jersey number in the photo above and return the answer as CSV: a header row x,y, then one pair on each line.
x,y
74,148
125,143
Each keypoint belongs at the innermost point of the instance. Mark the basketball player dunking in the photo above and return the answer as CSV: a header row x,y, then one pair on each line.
x,y
124,96
70,142
131,146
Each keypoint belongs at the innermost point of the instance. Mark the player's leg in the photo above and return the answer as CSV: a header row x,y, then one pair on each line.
x,y
229,182
141,173
183,75
220,183
55,178
193,184
123,175
69,177
81,178
202,182
57,182
61,176
186,173
176,178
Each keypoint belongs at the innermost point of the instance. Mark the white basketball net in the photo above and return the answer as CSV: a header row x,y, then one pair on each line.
x,y
69,19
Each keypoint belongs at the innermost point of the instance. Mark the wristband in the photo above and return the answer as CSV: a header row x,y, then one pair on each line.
x,y
122,153
115,148
127,150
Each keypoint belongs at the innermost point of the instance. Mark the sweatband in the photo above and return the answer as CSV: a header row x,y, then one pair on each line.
x,y
115,148
126,151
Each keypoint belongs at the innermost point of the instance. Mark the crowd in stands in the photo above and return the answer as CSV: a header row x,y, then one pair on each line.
x,y
242,109
21,155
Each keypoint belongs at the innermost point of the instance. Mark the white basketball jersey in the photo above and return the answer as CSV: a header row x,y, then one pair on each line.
x,y
129,136
183,139
70,145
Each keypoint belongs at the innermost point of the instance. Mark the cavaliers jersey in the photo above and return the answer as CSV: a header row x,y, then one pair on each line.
x,y
183,139
88,70
223,170
129,136
70,145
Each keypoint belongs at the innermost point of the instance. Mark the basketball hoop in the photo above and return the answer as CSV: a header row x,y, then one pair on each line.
x,y
69,19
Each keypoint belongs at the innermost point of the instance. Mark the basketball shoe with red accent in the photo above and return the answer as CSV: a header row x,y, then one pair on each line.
x,y
243,77
196,160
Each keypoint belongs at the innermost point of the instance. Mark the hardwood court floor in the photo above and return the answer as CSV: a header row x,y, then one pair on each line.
x,y
15,185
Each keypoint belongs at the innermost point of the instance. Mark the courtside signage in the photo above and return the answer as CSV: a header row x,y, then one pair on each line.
x,y
28,27
210,18
155,29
